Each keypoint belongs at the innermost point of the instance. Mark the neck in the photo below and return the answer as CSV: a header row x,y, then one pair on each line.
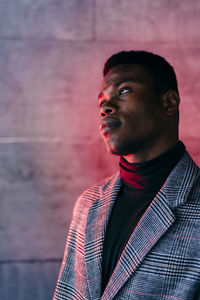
x,y
150,152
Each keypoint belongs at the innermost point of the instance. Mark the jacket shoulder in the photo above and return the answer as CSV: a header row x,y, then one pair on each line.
x,y
183,184
94,193
100,186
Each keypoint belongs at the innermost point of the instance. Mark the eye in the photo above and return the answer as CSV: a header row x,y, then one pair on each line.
x,y
125,90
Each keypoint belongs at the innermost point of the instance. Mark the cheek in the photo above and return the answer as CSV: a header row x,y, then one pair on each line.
x,y
141,120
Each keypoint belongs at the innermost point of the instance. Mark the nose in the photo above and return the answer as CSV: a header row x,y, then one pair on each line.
x,y
107,109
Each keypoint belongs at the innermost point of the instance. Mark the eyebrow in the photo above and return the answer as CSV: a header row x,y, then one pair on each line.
x,y
118,83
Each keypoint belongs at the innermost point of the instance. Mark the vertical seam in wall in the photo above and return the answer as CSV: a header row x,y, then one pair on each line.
x,y
94,20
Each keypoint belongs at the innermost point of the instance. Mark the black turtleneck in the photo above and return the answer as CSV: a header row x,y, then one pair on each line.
x,y
140,184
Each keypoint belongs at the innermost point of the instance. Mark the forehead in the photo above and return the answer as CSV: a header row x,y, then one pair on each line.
x,y
124,72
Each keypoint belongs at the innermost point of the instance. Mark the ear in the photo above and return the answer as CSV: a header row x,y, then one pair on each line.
x,y
170,101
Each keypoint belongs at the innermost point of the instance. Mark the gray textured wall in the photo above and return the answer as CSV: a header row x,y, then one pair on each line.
x,y
51,58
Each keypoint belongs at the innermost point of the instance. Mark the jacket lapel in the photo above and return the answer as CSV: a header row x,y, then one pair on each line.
x,y
153,225
97,220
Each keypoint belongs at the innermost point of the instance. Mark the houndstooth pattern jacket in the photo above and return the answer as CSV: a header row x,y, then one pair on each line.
x,y
161,260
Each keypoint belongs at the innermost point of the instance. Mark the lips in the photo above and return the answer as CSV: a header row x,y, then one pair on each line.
x,y
108,124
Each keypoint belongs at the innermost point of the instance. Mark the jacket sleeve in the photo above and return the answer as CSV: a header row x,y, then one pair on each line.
x,y
72,282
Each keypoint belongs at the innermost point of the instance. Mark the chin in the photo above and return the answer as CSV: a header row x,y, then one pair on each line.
x,y
117,148
123,147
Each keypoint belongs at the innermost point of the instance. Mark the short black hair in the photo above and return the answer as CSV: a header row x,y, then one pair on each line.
x,y
160,70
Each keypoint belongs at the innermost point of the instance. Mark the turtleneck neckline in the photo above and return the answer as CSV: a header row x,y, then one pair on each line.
x,y
150,175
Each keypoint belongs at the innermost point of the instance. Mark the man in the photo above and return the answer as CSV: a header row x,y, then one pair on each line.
x,y
136,235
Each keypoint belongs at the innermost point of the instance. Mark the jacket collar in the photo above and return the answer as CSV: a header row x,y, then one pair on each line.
x,y
179,183
155,222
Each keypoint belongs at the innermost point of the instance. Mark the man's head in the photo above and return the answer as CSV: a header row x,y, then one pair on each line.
x,y
139,105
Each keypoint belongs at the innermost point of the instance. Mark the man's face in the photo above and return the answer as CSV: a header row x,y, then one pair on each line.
x,y
131,110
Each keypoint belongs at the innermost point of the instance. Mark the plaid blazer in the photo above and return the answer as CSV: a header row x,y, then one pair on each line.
x,y
161,260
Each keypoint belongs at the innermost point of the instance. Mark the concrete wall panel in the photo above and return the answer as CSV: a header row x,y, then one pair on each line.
x,y
28,280
43,89
155,21
46,19
51,91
